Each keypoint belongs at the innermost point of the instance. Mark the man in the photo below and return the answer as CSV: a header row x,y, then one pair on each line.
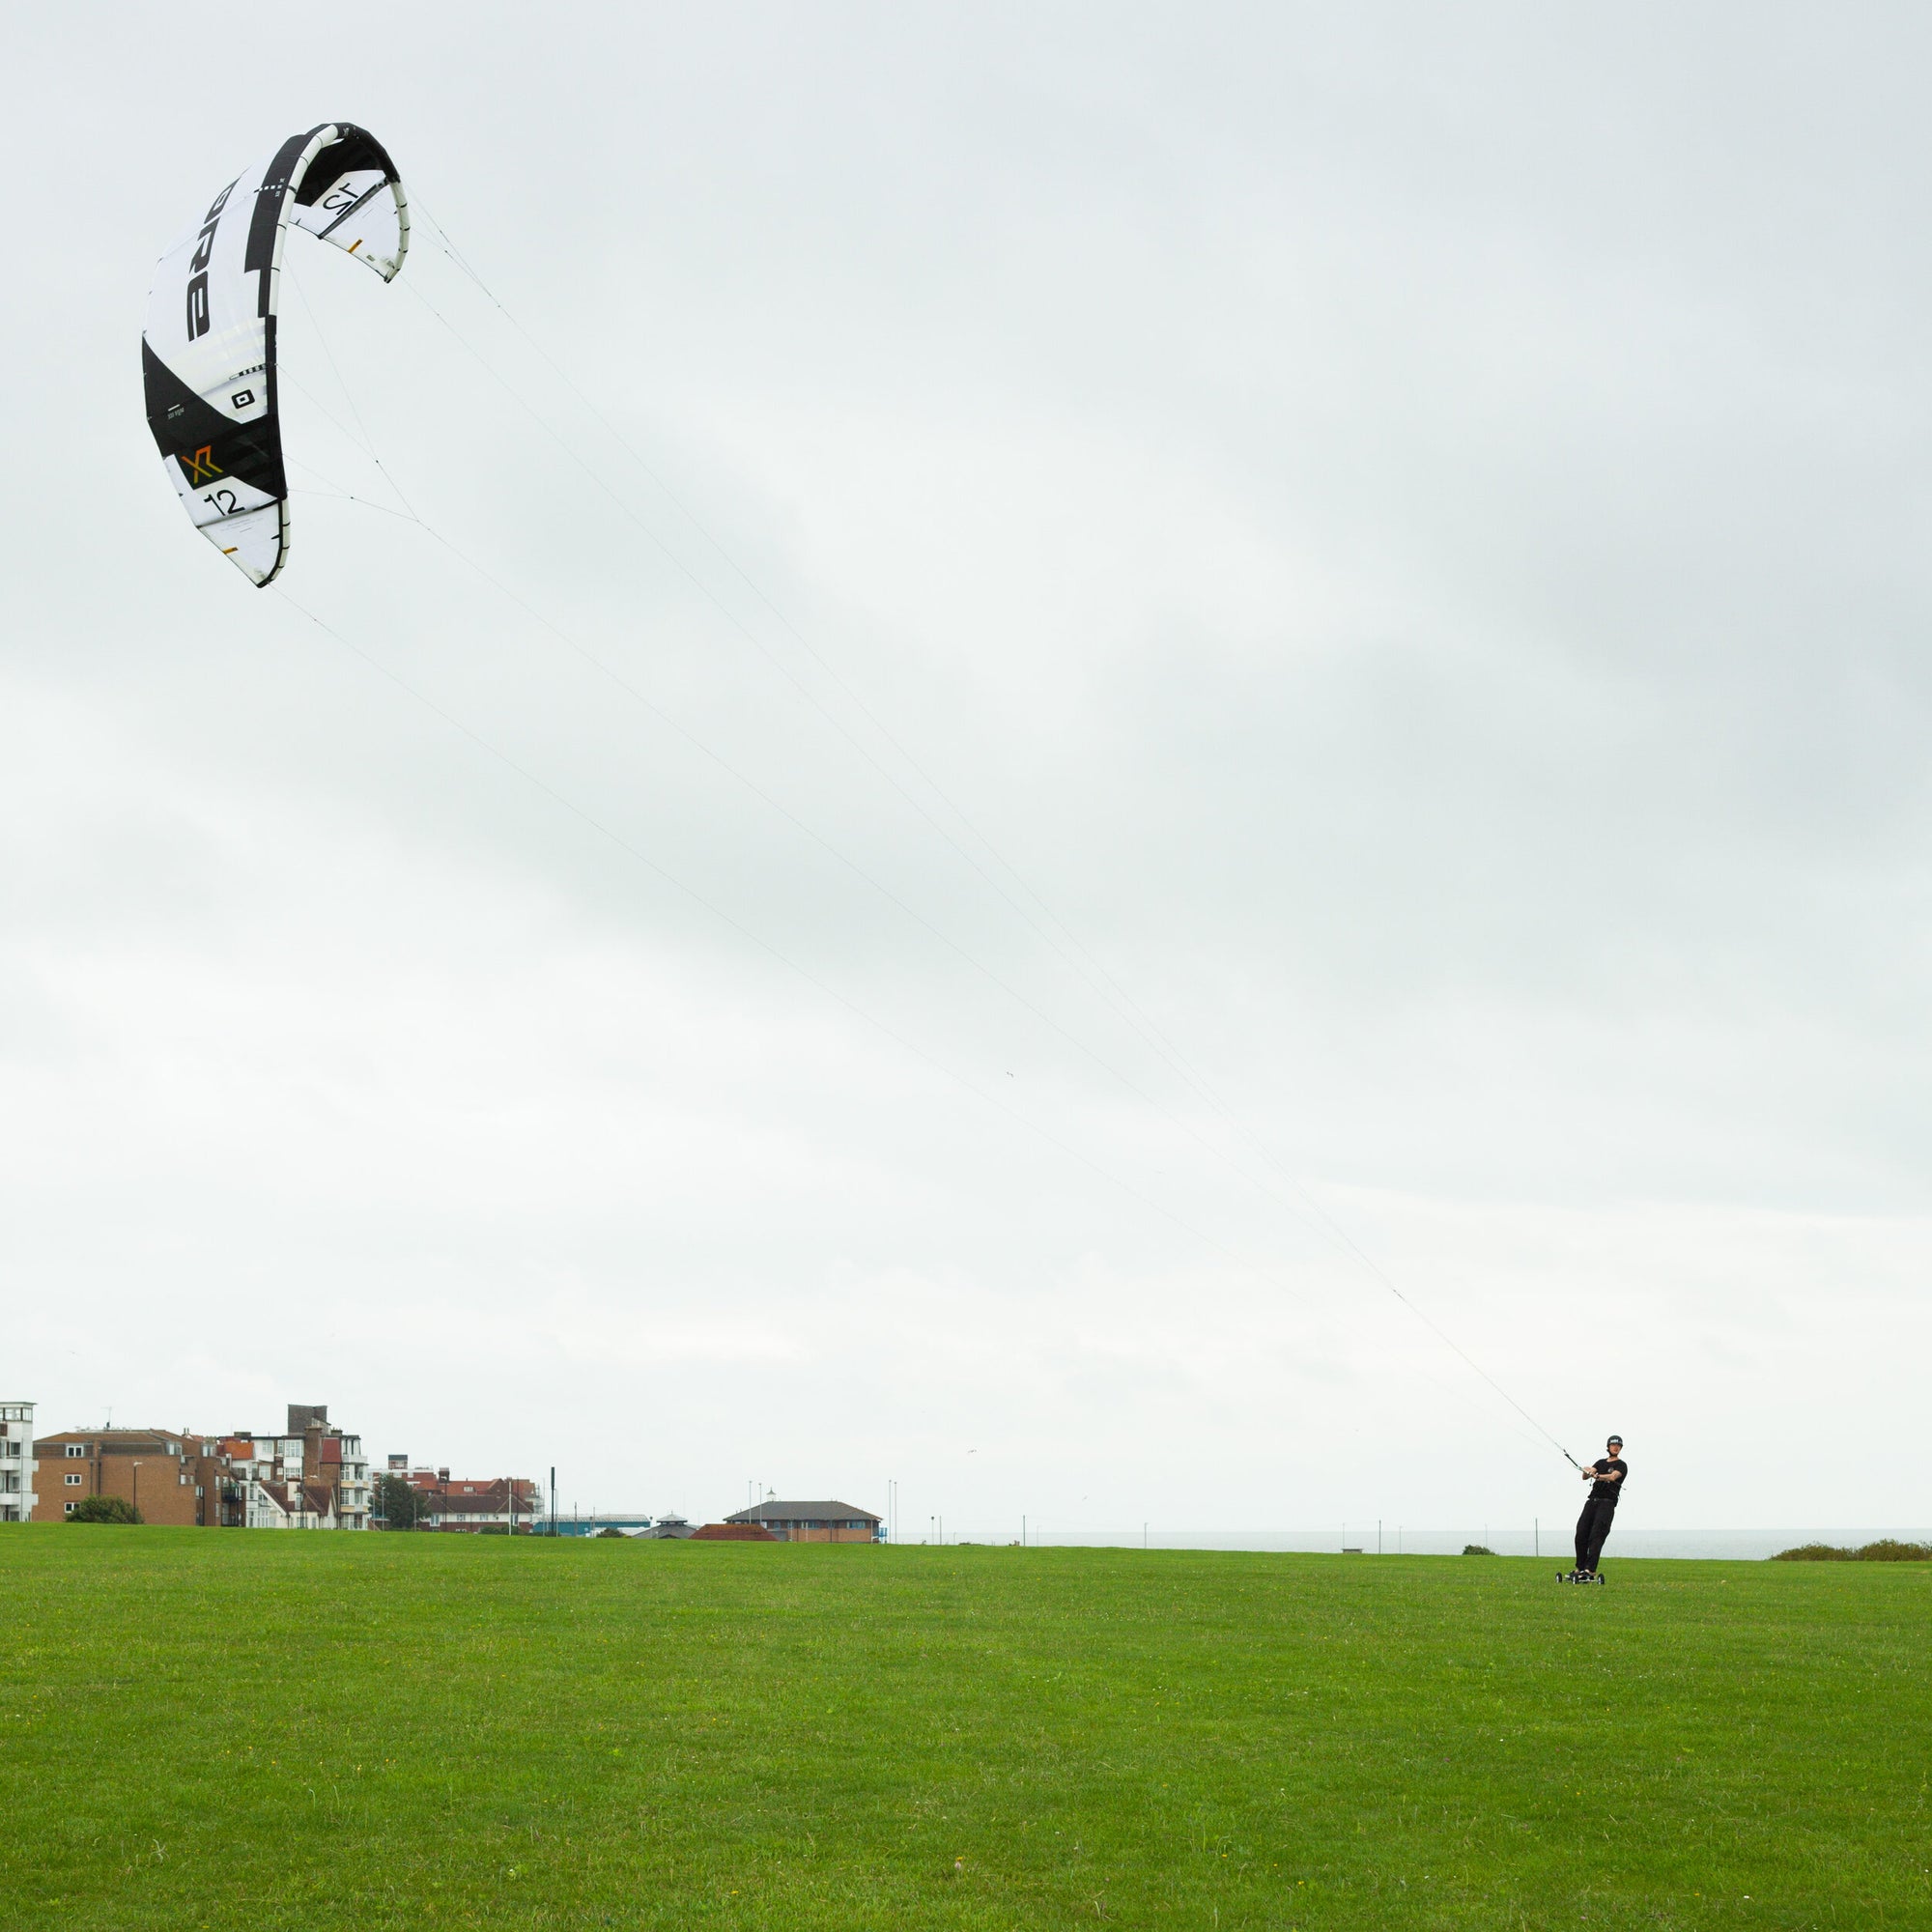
x,y
1605,1477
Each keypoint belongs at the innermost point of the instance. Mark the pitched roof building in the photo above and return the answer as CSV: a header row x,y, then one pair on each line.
x,y
811,1521
498,1505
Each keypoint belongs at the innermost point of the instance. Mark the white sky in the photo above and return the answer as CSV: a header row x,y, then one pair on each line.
x,y
1405,531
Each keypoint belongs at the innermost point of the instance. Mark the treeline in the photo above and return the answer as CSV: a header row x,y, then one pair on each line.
x,y
1887,1549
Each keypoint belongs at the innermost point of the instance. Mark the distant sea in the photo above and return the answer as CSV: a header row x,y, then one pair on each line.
x,y
1550,1539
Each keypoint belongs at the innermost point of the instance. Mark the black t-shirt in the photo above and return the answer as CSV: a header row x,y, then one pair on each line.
x,y
1602,1489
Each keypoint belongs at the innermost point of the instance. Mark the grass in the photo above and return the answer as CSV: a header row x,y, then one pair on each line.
x,y
250,1732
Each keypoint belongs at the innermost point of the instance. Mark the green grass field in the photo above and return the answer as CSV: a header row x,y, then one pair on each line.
x,y
243,1732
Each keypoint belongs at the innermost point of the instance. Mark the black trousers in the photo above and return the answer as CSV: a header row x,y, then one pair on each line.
x,y
1592,1527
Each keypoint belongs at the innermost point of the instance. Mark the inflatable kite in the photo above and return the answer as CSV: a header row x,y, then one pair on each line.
x,y
208,352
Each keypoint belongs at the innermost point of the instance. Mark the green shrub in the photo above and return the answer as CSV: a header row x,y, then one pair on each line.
x,y
104,1509
1477,1549
1887,1549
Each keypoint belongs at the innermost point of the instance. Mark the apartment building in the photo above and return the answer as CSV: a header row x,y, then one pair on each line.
x,y
311,1476
18,1461
169,1475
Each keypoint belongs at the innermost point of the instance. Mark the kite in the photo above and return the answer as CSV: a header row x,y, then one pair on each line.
x,y
208,350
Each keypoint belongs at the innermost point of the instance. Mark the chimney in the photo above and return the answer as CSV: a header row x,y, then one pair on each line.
x,y
306,1415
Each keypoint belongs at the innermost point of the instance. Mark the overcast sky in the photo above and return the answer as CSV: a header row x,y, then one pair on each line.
x,y
1023,660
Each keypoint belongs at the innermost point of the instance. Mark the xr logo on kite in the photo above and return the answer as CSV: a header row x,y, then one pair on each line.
x,y
202,465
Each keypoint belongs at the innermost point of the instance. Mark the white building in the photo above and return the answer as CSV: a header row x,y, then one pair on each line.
x,y
310,1477
16,1462
268,1504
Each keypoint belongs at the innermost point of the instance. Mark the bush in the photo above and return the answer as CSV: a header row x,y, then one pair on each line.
x,y
1477,1549
617,1533
104,1509
1887,1549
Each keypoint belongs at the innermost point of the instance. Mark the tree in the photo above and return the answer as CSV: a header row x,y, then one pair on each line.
x,y
104,1509
399,1504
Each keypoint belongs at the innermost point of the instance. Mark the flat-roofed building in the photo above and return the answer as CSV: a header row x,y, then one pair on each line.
x,y
811,1521
18,1461
632,1523
169,1475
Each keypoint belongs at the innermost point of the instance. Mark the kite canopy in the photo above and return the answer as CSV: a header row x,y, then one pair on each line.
x,y
208,352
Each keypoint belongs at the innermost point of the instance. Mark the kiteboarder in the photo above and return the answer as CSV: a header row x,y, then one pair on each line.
x,y
1605,1477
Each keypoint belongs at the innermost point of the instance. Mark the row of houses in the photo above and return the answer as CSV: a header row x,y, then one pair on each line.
x,y
313,1475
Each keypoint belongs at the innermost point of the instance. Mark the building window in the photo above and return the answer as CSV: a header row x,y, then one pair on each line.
x,y
77,1448
75,1483
70,1511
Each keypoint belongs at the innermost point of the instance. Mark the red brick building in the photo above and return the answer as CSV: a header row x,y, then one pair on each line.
x,y
168,1475
811,1522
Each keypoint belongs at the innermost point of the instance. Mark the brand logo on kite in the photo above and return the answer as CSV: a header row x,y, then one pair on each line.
x,y
201,466
197,267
